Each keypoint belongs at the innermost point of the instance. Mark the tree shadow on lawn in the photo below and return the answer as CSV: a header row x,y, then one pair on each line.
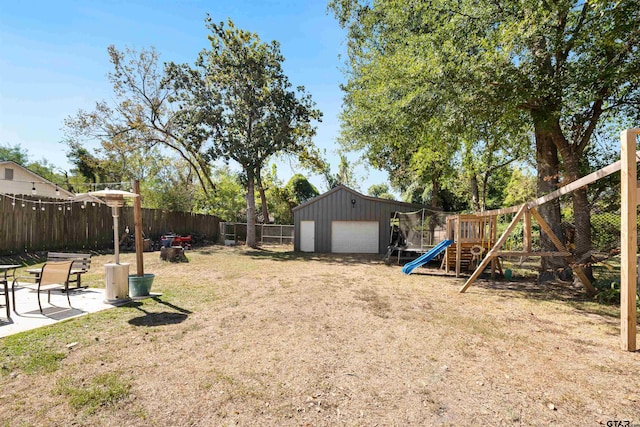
x,y
159,318
345,259
565,292
29,259
529,288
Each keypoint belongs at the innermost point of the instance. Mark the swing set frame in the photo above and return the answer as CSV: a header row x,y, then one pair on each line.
x,y
630,187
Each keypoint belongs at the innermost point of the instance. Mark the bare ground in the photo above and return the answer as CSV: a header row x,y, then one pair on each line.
x,y
270,337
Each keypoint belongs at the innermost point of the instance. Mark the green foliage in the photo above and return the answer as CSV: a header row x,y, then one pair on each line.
x,y
280,205
300,189
86,164
404,110
284,198
136,132
345,176
104,390
171,188
376,189
469,80
228,201
381,191
608,292
15,154
238,96
521,188
42,167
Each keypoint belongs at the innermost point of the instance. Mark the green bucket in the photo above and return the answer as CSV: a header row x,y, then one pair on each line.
x,y
139,286
508,274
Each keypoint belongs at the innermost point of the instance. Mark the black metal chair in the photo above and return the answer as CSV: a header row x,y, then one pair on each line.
x,y
4,281
7,272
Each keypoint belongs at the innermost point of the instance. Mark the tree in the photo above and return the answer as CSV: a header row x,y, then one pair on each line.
x,y
15,154
300,189
381,191
20,155
559,67
146,116
227,201
345,175
238,93
284,198
521,188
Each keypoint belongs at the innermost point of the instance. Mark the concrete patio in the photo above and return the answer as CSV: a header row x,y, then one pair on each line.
x,y
28,316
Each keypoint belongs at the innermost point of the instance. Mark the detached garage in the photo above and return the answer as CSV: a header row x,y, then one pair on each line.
x,y
345,221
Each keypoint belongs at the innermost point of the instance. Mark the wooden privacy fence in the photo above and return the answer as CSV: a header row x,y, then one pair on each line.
x,y
49,224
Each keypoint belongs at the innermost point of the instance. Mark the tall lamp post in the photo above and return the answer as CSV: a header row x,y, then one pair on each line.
x,y
116,274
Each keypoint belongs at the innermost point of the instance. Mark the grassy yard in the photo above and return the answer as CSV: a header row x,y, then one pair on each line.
x,y
271,337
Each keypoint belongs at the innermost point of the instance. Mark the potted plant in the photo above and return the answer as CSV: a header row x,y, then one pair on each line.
x,y
140,285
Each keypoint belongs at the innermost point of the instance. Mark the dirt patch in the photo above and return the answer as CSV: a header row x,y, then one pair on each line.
x,y
277,338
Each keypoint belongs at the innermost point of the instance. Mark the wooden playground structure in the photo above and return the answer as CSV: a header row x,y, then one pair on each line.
x,y
473,236
477,245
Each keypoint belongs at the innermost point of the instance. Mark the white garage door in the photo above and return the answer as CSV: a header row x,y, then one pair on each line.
x,y
354,237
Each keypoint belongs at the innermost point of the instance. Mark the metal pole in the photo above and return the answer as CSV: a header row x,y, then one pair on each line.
x,y
422,233
116,239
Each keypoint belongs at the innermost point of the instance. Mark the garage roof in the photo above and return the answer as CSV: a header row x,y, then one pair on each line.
x,y
355,193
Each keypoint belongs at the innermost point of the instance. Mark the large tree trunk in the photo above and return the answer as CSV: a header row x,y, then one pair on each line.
x,y
581,213
251,211
263,200
475,193
434,204
548,169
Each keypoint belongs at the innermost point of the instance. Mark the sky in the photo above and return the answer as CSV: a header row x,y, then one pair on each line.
x,y
54,61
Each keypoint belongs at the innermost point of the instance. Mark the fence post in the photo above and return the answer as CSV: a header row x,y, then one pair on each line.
x,y
628,239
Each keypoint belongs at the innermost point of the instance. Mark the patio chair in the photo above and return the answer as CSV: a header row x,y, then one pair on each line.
x,y
4,288
54,275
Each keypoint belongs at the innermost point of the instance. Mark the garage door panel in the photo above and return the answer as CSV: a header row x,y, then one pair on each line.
x,y
355,237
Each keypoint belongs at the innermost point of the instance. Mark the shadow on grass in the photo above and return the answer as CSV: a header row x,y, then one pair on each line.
x,y
565,292
529,288
344,259
168,304
28,259
159,318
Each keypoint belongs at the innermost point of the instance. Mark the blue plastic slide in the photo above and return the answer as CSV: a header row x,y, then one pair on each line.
x,y
425,258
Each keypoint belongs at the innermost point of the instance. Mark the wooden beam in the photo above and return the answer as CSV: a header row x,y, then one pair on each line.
x,y
137,224
493,225
578,183
492,253
529,253
458,245
445,260
628,239
527,231
558,244
503,211
585,180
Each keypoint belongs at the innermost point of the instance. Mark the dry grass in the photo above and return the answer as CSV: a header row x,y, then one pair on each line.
x,y
275,338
